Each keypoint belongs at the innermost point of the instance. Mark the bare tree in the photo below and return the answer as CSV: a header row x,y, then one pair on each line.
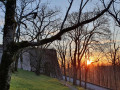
x,y
61,47
82,38
24,13
113,54
114,11
10,47
44,26
40,18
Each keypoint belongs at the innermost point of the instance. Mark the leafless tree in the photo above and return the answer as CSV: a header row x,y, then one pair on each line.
x,y
82,38
24,13
36,24
10,47
114,11
43,26
61,47
113,54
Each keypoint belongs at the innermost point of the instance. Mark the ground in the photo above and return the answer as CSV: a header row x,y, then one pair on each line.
x,y
25,80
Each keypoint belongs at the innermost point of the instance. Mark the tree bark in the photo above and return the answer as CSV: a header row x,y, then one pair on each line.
x,y
74,65
16,63
5,72
86,72
8,37
65,70
74,75
80,76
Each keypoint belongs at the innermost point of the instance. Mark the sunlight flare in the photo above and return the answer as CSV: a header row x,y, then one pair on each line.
x,y
89,62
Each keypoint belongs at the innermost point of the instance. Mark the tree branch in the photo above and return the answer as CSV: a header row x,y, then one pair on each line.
x,y
59,34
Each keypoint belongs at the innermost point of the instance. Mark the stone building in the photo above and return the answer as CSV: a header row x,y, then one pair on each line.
x,y
41,60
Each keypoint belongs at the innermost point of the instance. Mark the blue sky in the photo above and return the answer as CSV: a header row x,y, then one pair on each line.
x,y
63,5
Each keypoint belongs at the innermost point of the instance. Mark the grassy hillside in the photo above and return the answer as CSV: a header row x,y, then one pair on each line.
x,y
24,80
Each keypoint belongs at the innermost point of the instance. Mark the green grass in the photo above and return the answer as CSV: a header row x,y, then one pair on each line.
x,y
25,80
79,88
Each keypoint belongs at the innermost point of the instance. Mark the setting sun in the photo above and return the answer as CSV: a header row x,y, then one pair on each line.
x,y
89,62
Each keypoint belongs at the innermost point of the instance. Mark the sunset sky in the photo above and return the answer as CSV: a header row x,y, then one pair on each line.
x,y
63,5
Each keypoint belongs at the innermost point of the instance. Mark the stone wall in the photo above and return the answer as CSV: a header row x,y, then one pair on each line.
x,y
48,61
24,63
46,57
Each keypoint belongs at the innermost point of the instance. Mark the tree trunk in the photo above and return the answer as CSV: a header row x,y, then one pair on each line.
x,y
16,62
74,75
115,78
8,37
38,67
16,65
86,72
5,72
74,65
65,70
69,72
80,76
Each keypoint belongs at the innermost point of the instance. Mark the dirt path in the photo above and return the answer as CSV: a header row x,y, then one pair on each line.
x,y
68,85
